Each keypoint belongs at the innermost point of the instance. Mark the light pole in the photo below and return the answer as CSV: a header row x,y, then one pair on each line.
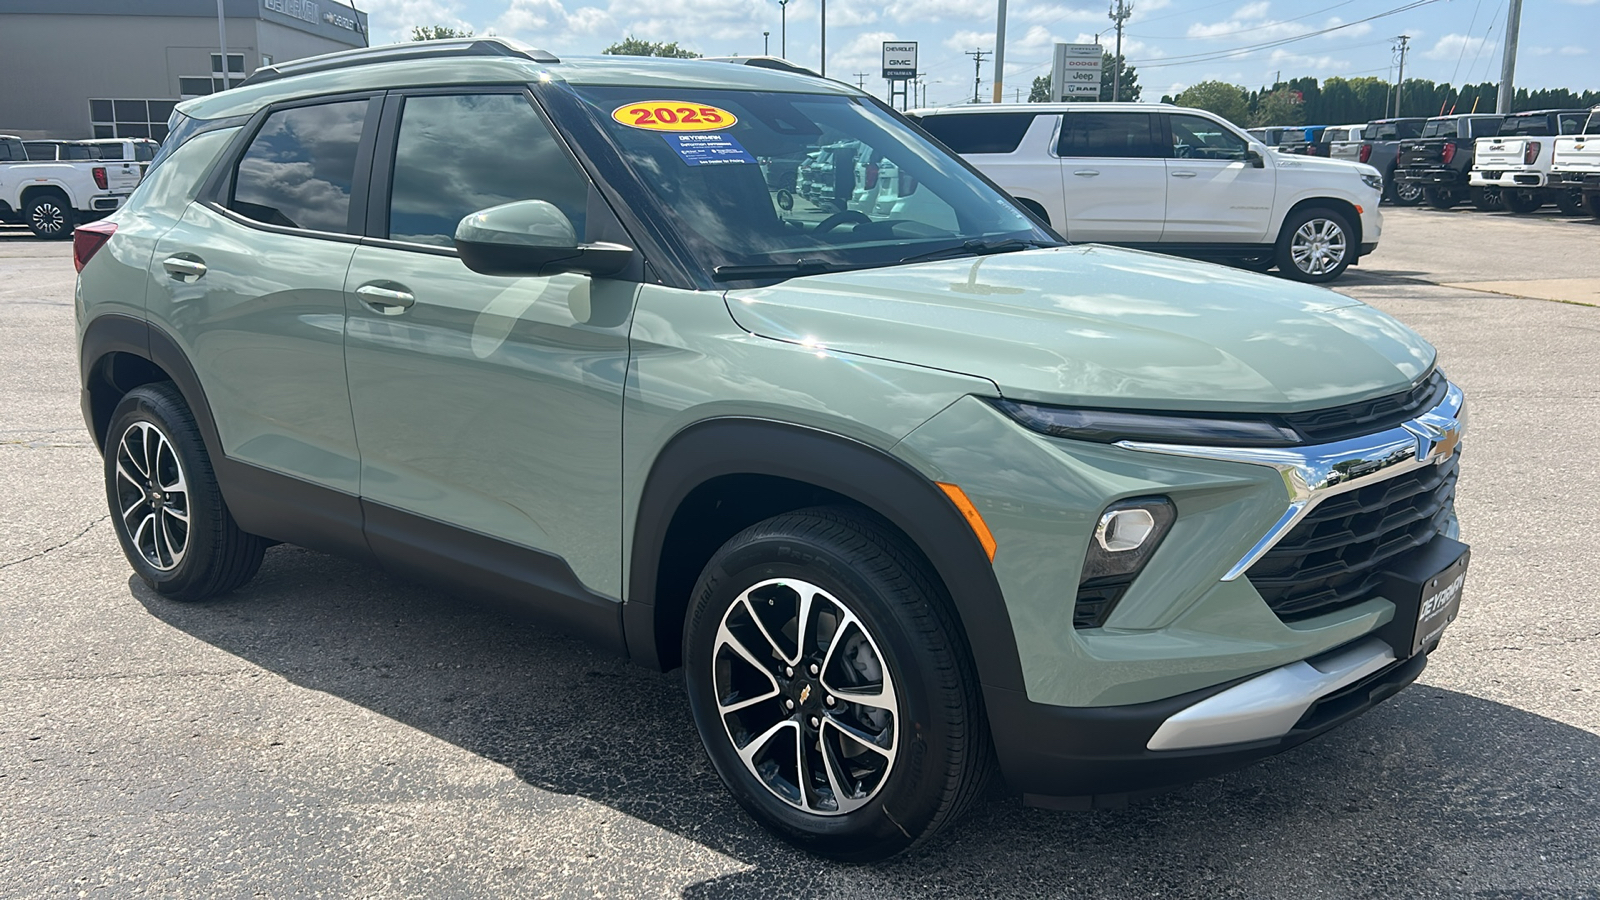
x,y
783,34
824,38
222,38
766,43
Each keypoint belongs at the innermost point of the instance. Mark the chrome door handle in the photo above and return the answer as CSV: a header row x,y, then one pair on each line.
x,y
186,269
385,301
1184,174
1087,173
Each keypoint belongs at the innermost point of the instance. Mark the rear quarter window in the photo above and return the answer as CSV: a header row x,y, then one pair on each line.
x,y
980,132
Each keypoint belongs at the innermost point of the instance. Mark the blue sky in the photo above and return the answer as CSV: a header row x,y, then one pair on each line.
x,y
1174,43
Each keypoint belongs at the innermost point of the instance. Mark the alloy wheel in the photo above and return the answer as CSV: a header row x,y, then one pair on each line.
x,y
48,219
805,697
1408,191
153,496
1318,246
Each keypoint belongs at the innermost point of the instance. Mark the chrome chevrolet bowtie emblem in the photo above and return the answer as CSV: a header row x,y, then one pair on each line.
x,y
805,693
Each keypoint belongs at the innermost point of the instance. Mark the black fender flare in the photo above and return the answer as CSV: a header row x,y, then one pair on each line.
x,y
871,477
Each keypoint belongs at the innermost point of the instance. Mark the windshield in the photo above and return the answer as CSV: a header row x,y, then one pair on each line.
x,y
811,181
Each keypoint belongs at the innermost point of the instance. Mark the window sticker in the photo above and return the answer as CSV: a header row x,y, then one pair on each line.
x,y
708,149
674,115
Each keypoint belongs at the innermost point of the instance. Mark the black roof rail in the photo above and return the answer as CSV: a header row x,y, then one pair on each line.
x,y
445,49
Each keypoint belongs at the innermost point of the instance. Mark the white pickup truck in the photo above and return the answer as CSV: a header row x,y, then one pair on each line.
x,y
1576,166
1518,160
89,179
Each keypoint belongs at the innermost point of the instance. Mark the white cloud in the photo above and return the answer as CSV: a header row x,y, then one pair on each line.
x,y
1286,59
937,10
1452,46
1573,51
392,20
1253,10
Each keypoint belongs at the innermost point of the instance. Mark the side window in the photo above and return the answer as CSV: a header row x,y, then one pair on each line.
x,y
980,132
1194,137
298,170
1115,135
458,154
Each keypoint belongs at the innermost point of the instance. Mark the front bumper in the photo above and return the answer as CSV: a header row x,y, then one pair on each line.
x,y
1513,179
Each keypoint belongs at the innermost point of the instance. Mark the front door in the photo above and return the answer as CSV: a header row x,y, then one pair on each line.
x,y
1113,181
1214,193
486,403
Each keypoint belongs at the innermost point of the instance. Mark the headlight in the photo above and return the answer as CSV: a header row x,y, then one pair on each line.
x,y
1373,181
1107,426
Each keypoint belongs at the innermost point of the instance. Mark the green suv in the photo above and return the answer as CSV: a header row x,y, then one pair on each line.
x,y
735,369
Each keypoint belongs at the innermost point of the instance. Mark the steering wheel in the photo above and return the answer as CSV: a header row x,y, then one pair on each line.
x,y
839,218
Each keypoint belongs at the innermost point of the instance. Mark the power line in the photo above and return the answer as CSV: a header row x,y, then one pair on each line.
x,y
1168,61
1465,39
1183,37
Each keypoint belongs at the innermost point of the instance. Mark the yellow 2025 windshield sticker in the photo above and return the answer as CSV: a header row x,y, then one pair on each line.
x,y
673,115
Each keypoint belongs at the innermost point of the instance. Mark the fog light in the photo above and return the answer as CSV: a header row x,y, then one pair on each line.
x,y
1121,530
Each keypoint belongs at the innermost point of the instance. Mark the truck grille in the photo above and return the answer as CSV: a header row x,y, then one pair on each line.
x,y
1335,557
1321,426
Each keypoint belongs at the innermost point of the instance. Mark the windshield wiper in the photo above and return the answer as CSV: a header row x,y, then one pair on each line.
x,y
778,270
978,248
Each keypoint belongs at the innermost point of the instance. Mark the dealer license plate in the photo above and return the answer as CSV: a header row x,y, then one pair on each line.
x,y
1441,601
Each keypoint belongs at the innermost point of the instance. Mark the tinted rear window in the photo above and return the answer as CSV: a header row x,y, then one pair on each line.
x,y
1525,125
1593,127
980,132
1484,127
1113,135
299,169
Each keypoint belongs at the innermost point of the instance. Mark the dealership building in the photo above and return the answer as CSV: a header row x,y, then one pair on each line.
x,y
115,68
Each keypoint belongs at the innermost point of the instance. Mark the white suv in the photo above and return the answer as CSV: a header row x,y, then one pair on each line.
x,y
1171,179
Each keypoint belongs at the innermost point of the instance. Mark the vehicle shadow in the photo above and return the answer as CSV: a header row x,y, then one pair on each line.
x,y
1432,793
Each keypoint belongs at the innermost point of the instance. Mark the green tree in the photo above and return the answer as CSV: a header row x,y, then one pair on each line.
x,y
1040,92
438,32
1130,80
1226,100
632,46
1281,107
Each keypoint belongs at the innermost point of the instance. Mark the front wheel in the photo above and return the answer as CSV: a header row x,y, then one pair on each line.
x,y
1487,199
1522,201
831,687
1440,198
1315,245
50,217
1407,193
166,508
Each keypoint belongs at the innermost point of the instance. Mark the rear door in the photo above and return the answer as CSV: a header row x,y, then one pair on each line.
x,y
1214,193
1113,177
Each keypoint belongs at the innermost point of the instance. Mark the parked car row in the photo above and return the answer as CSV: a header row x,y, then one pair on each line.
x,y
1519,162
50,186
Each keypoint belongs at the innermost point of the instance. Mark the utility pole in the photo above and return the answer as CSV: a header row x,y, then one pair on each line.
x,y
977,69
824,38
1508,62
1119,14
222,38
766,43
861,80
1000,52
1400,82
783,33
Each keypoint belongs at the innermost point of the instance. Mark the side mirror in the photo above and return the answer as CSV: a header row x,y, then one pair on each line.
x,y
1253,155
532,237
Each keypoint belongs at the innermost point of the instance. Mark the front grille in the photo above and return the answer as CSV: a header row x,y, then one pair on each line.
x,y
1320,426
1335,557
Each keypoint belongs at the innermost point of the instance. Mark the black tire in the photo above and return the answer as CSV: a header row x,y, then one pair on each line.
x,y
157,472
898,616
1487,199
1255,263
50,217
1591,204
1569,201
1522,201
1326,225
1441,198
1407,193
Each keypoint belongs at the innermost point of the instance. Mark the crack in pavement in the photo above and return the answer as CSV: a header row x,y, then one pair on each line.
x,y
47,550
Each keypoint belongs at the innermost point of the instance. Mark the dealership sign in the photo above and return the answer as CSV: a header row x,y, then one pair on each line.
x,y
1076,72
899,60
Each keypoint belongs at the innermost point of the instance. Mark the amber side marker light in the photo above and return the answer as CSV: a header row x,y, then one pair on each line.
x,y
974,521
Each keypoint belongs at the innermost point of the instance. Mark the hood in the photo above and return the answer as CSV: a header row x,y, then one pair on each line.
x,y
1324,164
1098,326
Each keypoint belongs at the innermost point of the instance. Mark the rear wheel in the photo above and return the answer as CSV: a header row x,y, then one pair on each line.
x,y
1315,245
166,508
50,217
1406,193
831,687
1440,198
1570,201
1591,203
1523,201
1487,199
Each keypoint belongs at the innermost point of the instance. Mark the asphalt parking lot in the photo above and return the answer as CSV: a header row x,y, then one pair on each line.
x,y
331,731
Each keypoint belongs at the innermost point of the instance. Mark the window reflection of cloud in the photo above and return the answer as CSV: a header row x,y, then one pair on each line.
x,y
302,163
